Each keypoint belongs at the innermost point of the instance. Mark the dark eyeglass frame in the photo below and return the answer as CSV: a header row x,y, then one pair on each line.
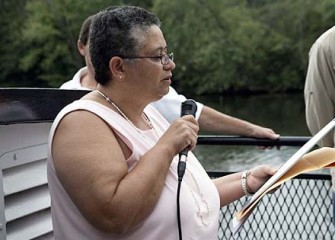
x,y
165,58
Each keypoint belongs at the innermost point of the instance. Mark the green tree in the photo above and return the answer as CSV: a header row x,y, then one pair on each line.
x,y
50,33
45,53
12,16
259,45
220,45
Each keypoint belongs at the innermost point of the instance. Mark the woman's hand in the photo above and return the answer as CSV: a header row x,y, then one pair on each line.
x,y
258,176
182,133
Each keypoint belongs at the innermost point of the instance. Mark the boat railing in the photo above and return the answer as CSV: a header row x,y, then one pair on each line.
x,y
300,209
291,141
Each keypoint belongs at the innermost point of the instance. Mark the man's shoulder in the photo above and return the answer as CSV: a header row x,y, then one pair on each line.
x,y
69,85
74,83
326,39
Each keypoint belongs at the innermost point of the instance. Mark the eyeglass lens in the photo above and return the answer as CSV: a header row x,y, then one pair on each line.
x,y
166,58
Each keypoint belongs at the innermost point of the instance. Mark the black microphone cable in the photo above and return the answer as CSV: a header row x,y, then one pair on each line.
x,y
187,107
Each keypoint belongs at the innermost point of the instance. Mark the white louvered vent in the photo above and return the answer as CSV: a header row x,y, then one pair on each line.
x,y
24,196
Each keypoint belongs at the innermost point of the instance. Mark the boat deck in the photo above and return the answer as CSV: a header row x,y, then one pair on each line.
x,y
301,209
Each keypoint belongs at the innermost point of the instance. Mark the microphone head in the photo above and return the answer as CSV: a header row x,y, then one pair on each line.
x,y
189,107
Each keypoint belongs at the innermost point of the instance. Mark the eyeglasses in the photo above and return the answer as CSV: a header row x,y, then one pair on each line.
x,y
165,58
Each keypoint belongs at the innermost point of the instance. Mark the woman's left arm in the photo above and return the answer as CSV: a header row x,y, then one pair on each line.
x,y
230,186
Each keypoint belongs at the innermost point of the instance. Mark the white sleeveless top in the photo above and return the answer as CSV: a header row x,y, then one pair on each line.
x,y
199,198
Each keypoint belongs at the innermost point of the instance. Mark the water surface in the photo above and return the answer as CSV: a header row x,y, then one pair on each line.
x,y
284,113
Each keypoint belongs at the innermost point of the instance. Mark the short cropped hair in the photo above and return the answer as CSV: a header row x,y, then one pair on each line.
x,y
85,30
117,32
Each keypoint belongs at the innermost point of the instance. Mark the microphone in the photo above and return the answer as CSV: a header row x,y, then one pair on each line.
x,y
189,107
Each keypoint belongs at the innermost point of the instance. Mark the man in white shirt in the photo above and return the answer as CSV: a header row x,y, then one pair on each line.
x,y
169,106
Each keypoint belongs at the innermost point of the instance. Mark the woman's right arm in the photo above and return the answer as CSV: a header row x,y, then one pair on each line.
x,y
90,162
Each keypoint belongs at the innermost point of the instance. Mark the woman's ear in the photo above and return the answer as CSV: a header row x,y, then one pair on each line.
x,y
116,67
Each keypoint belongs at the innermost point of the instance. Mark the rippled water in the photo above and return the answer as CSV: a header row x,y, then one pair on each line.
x,y
283,113
230,158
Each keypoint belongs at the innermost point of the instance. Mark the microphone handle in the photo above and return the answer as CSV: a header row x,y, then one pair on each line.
x,y
188,107
184,151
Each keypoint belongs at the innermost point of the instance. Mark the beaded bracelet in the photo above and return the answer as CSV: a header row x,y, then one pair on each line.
x,y
244,176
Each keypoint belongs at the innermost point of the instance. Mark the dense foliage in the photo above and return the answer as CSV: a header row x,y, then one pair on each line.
x,y
219,45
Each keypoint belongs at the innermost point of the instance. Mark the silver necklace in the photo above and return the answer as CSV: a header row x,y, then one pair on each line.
x,y
144,116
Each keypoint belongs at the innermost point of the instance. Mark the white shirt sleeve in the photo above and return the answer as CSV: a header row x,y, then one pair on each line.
x,y
170,105
75,83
